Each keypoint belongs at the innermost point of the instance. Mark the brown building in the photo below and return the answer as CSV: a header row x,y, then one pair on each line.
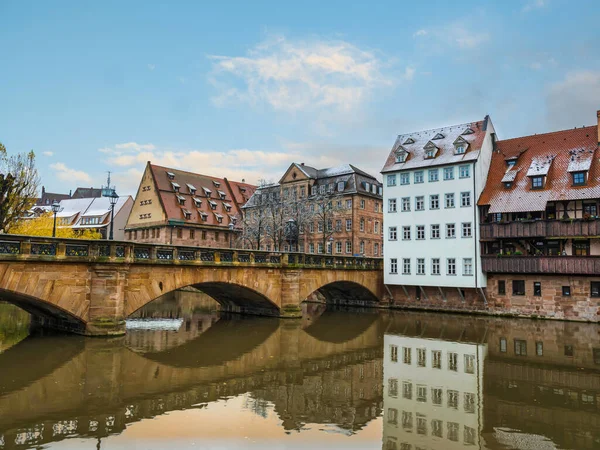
x,y
335,211
540,225
184,208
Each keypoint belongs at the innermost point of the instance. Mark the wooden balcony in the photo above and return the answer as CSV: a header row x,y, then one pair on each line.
x,y
571,265
541,228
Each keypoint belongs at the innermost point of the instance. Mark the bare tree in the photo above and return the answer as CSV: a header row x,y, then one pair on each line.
x,y
19,181
325,209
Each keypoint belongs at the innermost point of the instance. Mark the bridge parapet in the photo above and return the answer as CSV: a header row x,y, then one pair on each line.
x,y
33,248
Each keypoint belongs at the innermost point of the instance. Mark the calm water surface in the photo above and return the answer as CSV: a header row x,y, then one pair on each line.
x,y
186,378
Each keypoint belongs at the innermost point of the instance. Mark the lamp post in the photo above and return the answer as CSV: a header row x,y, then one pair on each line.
x,y
113,198
55,209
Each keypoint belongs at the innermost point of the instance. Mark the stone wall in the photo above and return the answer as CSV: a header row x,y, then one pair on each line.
x,y
435,298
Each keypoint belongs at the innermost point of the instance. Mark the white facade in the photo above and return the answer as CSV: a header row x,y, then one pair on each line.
x,y
431,220
433,393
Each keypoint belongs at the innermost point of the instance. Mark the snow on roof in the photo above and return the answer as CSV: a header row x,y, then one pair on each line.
x,y
416,144
74,206
540,166
580,160
101,206
510,176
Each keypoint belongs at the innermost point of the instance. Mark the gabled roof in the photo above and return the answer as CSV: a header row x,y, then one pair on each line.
x,y
444,140
557,147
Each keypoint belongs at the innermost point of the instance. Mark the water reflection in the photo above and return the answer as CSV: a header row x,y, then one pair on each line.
x,y
359,378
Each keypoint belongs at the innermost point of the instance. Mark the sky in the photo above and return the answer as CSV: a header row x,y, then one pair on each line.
x,y
242,89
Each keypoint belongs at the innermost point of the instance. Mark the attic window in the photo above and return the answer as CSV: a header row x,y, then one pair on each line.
x,y
242,189
216,183
409,141
207,192
467,131
430,154
508,184
438,136
367,186
222,195
213,205
192,188
537,182
313,190
175,186
181,200
579,178
227,206
374,188
341,186
219,217
330,188
198,202
187,214
460,149
203,216
401,156
171,175
510,163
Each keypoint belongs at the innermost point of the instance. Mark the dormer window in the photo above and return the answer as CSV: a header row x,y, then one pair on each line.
x,y
175,186
367,186
508,184
219,217
313,190
510,163
181,200
537,182
460,146
198,202
227,206
186,214
207,192
409,141
341,186
322,189
191,188
467,131
401,156
222,195
330,187
430,153
213,205
438,136
216,183
579,178
203,216
460,149
171,175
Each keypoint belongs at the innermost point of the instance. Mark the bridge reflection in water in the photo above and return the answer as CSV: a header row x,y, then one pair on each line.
x,y
424,381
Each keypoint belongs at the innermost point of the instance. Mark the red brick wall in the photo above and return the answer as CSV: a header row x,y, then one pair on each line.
x,y
211,240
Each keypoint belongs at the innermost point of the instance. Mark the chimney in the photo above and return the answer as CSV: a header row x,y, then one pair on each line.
x,y
598,115
44,189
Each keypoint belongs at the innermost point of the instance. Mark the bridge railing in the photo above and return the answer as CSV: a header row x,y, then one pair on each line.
x,y
16,248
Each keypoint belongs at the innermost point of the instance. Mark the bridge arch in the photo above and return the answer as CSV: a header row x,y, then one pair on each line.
x,y
344,292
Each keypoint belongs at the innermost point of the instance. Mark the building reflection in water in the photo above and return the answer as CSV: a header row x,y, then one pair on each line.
x,y
454,382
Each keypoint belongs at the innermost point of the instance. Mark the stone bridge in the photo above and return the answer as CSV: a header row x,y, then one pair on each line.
x,y
90,287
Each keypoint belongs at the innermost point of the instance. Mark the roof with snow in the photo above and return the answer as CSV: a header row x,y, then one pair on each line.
x,y
554,155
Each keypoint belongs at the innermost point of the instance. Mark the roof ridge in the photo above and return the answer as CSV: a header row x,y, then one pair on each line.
x,y
197,174
545,134
441,128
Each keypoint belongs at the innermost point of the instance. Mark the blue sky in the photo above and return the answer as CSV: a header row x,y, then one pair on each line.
x,y
241,89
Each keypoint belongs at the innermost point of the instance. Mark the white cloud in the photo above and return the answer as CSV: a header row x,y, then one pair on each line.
x,y
453,35
67,174
534,4
151,67
299,75
574,100
48,153
134,146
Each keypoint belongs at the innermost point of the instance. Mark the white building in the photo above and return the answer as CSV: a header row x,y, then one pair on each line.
x,y
432,180
433,393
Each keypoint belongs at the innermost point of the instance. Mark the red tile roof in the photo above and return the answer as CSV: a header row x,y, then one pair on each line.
x,y
235,195
443,138
558,153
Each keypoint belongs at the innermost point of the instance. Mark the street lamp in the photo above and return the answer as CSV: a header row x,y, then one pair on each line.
x,y
231,226
113,198
55,209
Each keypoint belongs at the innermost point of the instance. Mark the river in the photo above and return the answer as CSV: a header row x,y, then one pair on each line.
x,y
187,377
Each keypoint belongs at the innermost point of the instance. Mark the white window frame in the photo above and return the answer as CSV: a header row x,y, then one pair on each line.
x,y
450,230
449,200
420,203
435,266
466,230
393,234
392,205
434,175
420,232
464,171
448,173
418,177
391,179
434,198
465,199
451,266
405,204
406,232
420,266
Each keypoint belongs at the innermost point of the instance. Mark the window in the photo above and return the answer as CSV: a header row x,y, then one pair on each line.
x,y
450,231
467,266
394,265
391,180
578,178
341,185
501,287
362,247
404,178
421,394
392,205
393,233
407,421
349,204
392,416
338,225
453,361
449,200
465,199
348,224
362,204
311,247
419,203
448,173
503,345
464,171
406,266
406,233
436,359
518,287
320,248
406,355
520,347
421,357
469,363
435,266
376,228
362,224
393,387
418,176
401,156
451,266
433,175
338,247
320,227
537,288
539,348
394,353
420,231
434,201
537,182
460,149
407,392
581,247
566,291
349,247
466,229
595,289
420,266
192,234
405,204
375,249
437,395
435,231
437,428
